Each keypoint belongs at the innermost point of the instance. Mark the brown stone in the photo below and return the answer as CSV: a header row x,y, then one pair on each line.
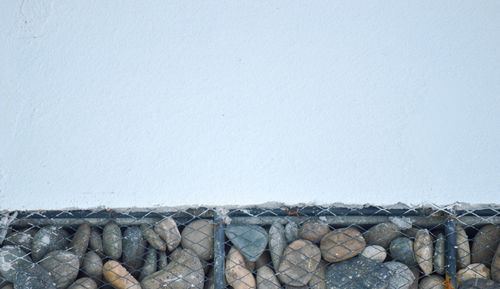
x,y
199,237
313,230
299,262
423,251
119,277
342,244
266,279
237,274
495,265
84,283
473,271
168,231
463,248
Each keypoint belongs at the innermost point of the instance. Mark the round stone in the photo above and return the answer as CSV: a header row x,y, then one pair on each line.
x,y
356,273
80,241
299,262
84,283
401,277
118,276
342,244
237,274
168,231
473,271
48,239
382,234
95,241
266,279
12,260
401,250
432,282
439,254
63,266
92,265
463,248
199,237
484,244
250,240
422,247
291,232
375,252
313,230
112,240
133,248
277,243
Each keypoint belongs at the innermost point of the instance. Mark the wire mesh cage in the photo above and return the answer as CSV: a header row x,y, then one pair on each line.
x,y
301,247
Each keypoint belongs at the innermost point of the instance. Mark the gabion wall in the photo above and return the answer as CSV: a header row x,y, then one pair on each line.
x,y
306,247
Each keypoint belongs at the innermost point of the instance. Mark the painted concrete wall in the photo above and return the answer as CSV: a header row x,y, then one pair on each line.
x,y
166,103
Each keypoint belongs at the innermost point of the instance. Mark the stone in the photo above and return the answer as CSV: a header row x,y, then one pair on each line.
x,y
153,238
266,279
463,248
112,240
118,276
401,277
34,277
375,252
237,274
63,266
277,243
21,238
484,244
84,283
12,260
184,272
92,265
80,241
401,250
199,237
291,232
299,262
313,230
473,271
48,239
133,248
495,265
162,260
382,234
342,244
423,250
318,278
168,231
250,240
150,262
356,273
439,254
410,233
479,284
432,282
95,242
264,259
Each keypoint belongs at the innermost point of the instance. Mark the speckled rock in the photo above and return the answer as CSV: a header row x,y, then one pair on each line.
x,y
12,260
463,248
479,284
432,282
95,241
277,243
237,274
495,265
291,232
48,239
34,277
422,247
318,278
84,283
382,234
250,240
199,237
80,241
484,244
63,266
21,238
118,276
153,238
313,230
299,262
342,244
375,252
473,271
401,250
168,231
112,240
356,273
150,263
184,272
439,254
133,248
401,277
92,265
266,279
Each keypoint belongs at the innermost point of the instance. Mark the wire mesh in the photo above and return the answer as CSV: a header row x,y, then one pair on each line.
x,y
303,247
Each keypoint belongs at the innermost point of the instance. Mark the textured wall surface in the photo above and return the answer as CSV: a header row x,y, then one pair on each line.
x,y
146,103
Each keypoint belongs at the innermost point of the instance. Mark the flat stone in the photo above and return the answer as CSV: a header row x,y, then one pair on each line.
x,y
48,239
199,237
342,244
299,262
84,283
291,232
34,277
473,271
119,277
479,284
92,265
12,260
382,234
150,262
277,243
112,240
495,265
432,282
153,238
237,274
133,248
95,241
356,273
250,240
401,277
463,247
80,241
63,266
439,254
375,252
313,230
422,247
168,231
266,278
401,250
484,244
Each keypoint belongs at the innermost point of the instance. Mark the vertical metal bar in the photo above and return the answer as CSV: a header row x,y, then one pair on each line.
x,y
451,251
219,280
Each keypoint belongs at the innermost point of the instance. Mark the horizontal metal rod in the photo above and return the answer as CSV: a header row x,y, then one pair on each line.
x,y
91,221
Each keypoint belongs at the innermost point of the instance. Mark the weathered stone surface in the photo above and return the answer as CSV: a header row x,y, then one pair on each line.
x,y
463,248
266,279
250,240
168,231
473,271
48,239
291,232
382,234
34,277
342,244
153,238
133,248
401,250
264,259
313,230
95,241
318,278
432,282
199,237
162,260
375,252
184,272
422,247
356,273
80,241
495,265
401,277
479,284
84,283
118,276
299,262
21,238
277,243
92,265
439,254
237,274
150,262
484,244
12,260
63,266
112,240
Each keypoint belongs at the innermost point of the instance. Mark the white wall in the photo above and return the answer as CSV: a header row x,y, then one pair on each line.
x,y
145,103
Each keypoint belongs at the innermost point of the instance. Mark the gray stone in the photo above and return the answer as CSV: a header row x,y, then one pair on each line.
x,y
34,277
484,244
48,239
277,243
291,232
153,238
112,240
299,262
495,265
199,237
356,273
22,238
95,242
150,262
266,279
92,265
375,252
250,240
133,248
439,254
162,260
63,266
12,260
80,241
84,283
479,284
401,250
401,277
382,234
